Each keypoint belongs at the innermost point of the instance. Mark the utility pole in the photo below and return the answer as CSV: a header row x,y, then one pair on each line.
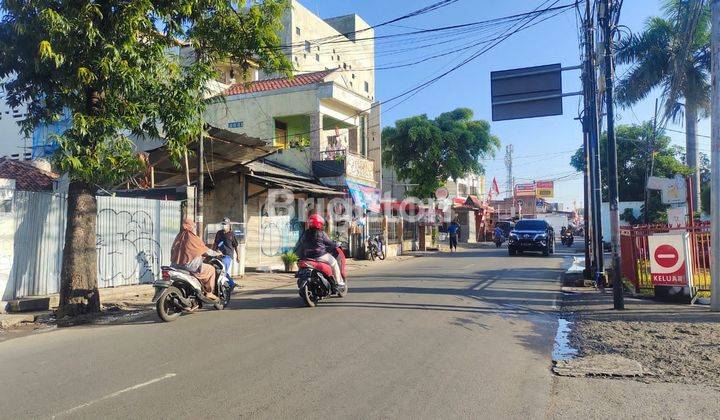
x,y
606,23
587,272
200,185
591,126
715,160
509,165
649,163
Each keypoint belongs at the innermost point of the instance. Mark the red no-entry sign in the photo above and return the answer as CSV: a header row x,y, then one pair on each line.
x,y
666,256
670,259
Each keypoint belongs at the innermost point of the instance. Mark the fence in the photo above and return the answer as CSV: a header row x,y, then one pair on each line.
x,y
636,255
134,237
393,224
375,226
409,229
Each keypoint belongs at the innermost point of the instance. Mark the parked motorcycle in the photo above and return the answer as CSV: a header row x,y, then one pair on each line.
x,y
499,240
179,291
315,279
376,248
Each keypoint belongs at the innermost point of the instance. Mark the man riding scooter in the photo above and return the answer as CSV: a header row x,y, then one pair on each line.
x,y
499,236
315,244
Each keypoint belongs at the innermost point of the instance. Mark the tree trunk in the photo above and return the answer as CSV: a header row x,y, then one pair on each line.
x,y
78,279
692,153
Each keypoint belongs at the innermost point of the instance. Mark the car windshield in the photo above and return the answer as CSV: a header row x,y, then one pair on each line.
x,y
530,225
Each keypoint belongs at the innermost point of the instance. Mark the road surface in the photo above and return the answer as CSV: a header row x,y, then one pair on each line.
x,y
463,335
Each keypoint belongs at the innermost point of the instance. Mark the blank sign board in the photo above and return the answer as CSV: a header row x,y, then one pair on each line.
x,y
526,93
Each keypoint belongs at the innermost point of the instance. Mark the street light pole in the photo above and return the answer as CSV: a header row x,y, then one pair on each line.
x,y
715,159
618,301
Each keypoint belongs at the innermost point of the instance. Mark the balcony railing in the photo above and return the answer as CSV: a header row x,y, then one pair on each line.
x,y
342,162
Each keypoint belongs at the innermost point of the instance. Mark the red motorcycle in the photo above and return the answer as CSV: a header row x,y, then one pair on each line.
x,y
315,279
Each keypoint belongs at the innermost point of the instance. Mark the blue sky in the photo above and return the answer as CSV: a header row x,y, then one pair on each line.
x,y
543,146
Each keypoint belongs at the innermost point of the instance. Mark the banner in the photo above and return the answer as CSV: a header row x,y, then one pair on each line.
x,y
545,189
525,190
364,196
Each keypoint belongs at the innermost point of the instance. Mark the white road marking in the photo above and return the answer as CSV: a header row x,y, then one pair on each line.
x,y
115,394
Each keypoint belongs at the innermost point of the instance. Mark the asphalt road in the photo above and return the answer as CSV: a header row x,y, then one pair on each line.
x,y
463,335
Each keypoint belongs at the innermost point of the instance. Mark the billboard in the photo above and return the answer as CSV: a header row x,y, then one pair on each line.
x,y
545,189
670,257
525,190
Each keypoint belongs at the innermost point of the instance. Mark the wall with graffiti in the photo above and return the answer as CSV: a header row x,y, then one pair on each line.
x,y
134,237
269,235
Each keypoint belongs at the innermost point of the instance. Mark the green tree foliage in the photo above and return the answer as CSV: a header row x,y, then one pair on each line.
x,y
673,54
115,66
634,158
427,152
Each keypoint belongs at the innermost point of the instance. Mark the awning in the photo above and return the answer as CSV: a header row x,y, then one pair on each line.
x,y
365,196
277,176
224,151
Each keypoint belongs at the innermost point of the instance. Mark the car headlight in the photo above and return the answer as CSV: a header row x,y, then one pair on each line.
x,y
513,236
541,236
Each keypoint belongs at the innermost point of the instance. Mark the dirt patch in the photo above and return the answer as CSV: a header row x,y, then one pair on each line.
x,y
668,351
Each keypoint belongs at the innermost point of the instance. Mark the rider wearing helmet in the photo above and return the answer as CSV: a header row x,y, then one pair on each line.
x,y
317,245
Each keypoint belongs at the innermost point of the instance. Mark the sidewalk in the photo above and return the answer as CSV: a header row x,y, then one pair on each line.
x,y
672,349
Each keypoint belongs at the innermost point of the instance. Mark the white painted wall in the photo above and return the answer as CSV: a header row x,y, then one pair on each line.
x,y
356,59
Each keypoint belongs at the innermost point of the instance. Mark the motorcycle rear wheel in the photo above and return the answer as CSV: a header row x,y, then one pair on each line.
x,y
308,297
166,308
382,255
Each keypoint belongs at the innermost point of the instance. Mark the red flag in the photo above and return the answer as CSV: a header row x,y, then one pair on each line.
x,y
495,186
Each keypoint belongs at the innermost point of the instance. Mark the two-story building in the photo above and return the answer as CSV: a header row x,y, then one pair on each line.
x,y
324,120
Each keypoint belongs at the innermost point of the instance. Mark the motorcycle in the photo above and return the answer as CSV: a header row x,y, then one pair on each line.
x,y
499,240
179,291
567,238
375,248
315,279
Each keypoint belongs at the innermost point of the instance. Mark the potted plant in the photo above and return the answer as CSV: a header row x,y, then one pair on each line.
x,y
290,260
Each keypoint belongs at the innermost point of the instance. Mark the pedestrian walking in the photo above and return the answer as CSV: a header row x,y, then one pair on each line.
x,y
453,233
227,243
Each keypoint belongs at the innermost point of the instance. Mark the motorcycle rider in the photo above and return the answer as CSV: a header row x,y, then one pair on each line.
x,y
315,244
498,233
187,253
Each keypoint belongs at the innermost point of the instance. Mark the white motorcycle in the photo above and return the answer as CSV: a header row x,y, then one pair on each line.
x,y
179,291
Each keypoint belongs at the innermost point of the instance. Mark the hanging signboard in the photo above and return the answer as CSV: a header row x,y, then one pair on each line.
x,y
673,190
545,189
526,92
670,257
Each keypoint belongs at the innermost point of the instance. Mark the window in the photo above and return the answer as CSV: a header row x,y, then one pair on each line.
x,y
353,75
367,87
307,46
338,58
317,57
345,66
297,30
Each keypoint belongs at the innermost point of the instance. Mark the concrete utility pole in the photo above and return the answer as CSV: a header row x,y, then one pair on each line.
x,y
715,159
606,22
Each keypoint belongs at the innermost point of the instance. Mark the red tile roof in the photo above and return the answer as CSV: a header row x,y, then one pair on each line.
x,y
279,83
27,177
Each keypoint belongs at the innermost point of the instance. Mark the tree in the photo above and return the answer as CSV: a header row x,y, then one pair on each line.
x,y
110,64
672,53
634,153
427,152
